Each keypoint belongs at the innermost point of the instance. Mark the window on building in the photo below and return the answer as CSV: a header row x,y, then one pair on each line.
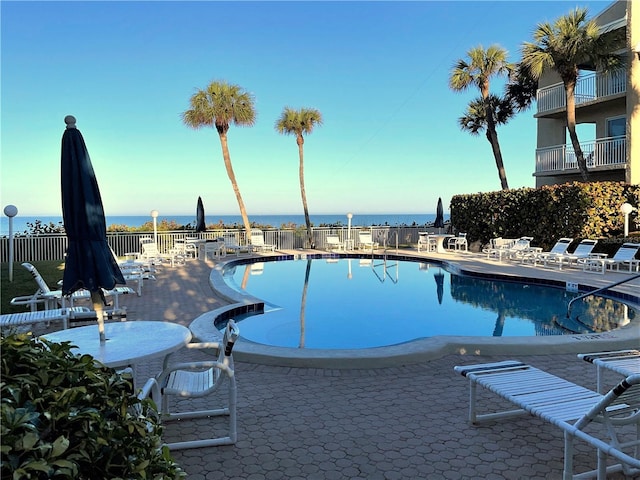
x,y
616,126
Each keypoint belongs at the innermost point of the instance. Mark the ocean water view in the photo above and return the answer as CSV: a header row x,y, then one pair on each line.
x,y
21,223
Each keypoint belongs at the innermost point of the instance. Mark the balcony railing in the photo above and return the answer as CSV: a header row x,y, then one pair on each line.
x,y
589,88
32,248
604,152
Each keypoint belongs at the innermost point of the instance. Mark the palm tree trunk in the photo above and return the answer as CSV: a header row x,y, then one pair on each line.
x,y
571,127
492,136
303,193
234,184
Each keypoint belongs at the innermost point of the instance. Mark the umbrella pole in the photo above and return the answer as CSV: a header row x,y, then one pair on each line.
x,y
98,305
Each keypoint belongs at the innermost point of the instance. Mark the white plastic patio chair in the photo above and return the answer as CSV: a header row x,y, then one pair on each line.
x,y
459,242
214,250
426,242
199,379
498,247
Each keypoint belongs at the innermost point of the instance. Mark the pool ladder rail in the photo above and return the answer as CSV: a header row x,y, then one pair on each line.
x,y
598,290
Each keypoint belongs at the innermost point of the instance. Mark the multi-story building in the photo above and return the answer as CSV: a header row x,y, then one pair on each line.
x,y
607,113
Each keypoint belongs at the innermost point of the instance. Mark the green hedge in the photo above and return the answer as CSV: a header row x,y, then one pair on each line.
x,y
65,417
577,210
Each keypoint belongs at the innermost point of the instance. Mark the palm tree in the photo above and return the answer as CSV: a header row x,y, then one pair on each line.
x,y
482,65
220,105
569,42
474,120
521,89
299,123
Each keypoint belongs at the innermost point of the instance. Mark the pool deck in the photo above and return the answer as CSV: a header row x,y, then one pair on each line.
x,y
399,422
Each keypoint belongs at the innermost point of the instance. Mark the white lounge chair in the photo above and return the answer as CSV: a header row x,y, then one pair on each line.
x,y
522,246
63,315
625,256
150,253
583,250
198,379
366,240
566,405
52,299
258,243
136,271
231,244
621,362
49,299
334,243
560,248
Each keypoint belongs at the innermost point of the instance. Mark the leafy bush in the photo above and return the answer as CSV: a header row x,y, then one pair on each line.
x,y
40,228
64,416
577,210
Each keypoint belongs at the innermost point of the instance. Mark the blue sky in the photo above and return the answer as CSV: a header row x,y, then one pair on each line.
x,y
377,71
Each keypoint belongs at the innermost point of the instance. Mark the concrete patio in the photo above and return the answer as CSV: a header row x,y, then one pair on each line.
x,y
400,422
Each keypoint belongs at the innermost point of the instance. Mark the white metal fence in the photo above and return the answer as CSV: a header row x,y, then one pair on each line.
x,y
33,248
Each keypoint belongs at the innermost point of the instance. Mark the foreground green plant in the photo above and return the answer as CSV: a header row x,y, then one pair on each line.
x,y
63,416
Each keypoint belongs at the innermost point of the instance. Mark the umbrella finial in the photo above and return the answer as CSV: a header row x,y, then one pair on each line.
x,y
70,120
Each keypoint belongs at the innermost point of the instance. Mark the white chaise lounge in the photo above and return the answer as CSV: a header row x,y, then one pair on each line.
x,y
568,406
583,250
624,257
258,243
560,248
366,240
334,243
63,315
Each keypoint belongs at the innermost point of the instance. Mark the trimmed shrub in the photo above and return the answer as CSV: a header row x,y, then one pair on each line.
x,y
577,210
64,416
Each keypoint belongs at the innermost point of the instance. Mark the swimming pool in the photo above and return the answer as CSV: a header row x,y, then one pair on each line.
x,y
360,303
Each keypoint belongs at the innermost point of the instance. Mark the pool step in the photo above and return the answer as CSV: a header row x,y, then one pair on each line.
x,y
573,325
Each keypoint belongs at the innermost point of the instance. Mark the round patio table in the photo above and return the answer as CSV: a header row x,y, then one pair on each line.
x,y
127,343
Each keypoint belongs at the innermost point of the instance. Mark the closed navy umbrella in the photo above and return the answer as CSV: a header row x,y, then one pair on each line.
x,y
439,223
439,278
200,225
89,263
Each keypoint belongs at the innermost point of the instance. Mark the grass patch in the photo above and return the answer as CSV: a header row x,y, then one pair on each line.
x,y
24,284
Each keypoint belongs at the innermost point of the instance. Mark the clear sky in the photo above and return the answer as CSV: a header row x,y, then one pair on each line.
x,y
377,71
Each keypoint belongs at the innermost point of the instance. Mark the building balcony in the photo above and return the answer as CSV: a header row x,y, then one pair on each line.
x,y
601,154
589,89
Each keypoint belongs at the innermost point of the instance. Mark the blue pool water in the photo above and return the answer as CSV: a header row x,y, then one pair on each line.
x,y
365,303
